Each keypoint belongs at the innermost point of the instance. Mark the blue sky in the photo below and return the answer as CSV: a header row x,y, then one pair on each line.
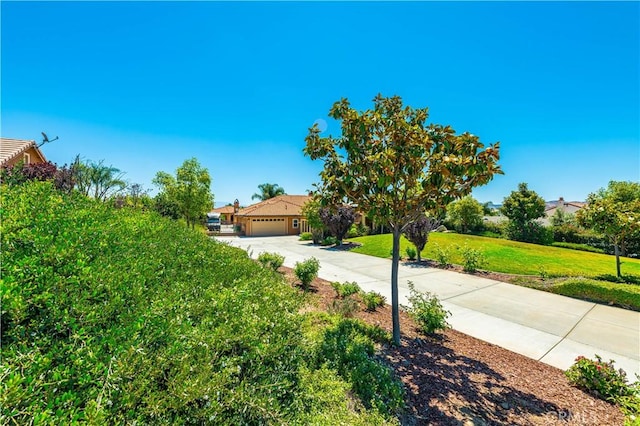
x,y
146,85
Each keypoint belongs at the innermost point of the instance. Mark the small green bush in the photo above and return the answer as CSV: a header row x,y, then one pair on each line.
x,y
353,231
411,253
346,307
306,236
348,348
271,260
306,271
373,300
600,378
357,230
427,311
345,289
329,241
493,229
472,259
442,255
530,232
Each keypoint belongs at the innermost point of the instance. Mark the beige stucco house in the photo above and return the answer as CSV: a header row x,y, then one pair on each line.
x,y
281,215
570,207
12,151
227,214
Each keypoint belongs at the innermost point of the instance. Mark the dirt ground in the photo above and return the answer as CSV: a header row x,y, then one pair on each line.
x,y
456,379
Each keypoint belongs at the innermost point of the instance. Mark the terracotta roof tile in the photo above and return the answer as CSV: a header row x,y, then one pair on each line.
x,y
282,205
224,210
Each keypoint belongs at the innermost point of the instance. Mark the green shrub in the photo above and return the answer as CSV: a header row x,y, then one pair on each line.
x,y
442,255
373,300
530,232
357,230
306,236
120,316
329,241
472,259
411,252
345,289
353,231
493,229
346,307
427,311
117,316
363,230
306,271
600,379
347,346
326,400
271,260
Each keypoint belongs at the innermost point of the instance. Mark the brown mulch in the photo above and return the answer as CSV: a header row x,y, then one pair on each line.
x,y
456,379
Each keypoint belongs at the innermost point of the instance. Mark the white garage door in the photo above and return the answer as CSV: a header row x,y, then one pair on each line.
x,y
263,227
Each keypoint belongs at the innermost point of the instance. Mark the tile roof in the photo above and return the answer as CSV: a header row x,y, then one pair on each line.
x,y
225,210
577,204
11,148
282,205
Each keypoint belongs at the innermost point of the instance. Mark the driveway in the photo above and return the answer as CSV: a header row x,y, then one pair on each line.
x,y
547,327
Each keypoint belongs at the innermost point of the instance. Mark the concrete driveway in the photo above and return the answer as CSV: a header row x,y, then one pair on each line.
x,y
547,327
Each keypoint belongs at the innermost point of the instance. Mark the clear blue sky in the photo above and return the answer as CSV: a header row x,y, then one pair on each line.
x,y
144,86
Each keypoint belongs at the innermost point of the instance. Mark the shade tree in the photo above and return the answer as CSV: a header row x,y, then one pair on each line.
x,y
395,167
187,194
614,211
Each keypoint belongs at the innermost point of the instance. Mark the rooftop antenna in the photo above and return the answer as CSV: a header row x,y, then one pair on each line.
x,y
45,139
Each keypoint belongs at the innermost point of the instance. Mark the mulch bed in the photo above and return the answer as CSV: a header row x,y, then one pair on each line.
x,y
456,379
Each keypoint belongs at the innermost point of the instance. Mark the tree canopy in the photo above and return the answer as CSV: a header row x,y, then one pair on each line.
x,y
395,167
268,190
98,180
338,220
465,214
418,232
615,212
189,191
522,208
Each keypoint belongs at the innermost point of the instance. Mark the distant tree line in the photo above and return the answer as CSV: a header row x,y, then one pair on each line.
x,y
187,195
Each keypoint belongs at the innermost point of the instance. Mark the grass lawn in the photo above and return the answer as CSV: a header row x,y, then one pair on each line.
x,y
509,257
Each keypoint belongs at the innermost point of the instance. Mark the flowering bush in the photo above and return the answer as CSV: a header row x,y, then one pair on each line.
x,y
599,378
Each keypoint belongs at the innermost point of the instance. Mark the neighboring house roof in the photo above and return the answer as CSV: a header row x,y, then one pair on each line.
x,y
577,204
13,148
223,210
282,205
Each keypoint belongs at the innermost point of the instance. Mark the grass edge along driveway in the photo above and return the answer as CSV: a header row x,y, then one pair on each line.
x,y
506,256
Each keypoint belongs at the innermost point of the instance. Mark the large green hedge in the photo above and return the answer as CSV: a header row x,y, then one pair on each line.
x,y
121,316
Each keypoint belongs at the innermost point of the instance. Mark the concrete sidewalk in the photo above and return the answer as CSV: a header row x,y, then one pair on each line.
x,y
547,327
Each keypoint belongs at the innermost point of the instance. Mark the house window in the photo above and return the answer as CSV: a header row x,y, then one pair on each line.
x,y
295,223
27,158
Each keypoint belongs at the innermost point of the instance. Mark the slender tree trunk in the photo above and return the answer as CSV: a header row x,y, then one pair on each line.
x,y
616,249
418,256
395,310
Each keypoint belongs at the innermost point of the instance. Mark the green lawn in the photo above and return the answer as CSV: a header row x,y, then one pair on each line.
x,y
509,256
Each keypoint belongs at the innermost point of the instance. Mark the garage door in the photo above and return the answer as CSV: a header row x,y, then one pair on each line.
x,y
263,227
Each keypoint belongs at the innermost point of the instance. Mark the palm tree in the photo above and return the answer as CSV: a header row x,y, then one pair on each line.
x,y
98,180
268,190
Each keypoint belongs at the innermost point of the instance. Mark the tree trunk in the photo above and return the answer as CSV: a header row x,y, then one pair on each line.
x,y
617,252
395,312
418,256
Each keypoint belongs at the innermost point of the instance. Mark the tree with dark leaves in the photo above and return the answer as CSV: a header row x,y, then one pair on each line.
x,y
338,220
418,232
